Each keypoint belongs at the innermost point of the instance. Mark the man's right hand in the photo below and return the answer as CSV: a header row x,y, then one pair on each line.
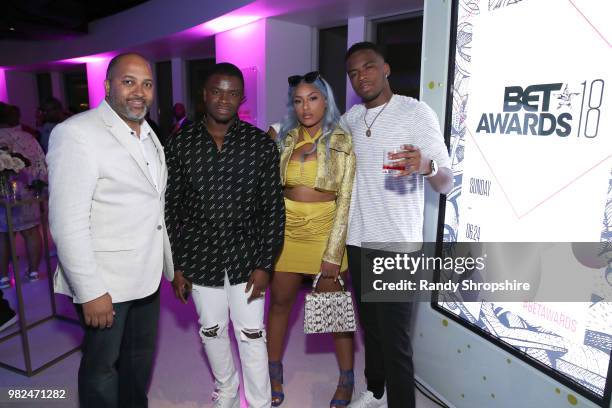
x,y
98,313
181,285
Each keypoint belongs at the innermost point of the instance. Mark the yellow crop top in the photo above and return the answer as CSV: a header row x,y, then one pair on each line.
x,y
301,173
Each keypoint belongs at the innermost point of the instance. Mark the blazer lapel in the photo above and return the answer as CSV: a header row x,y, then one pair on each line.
x,y
163,170
115,127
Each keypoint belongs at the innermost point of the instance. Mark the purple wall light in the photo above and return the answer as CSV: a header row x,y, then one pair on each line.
x,y
96,74
3,92
228,22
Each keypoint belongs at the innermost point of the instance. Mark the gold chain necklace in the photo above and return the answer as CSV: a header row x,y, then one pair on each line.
x,y
369,131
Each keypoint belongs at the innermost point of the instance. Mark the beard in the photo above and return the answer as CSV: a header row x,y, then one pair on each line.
x,y
124,111
365,98
133,116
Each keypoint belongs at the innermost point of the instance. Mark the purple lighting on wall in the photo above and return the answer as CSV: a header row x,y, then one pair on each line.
x,y
96,58
228,22
3,92
245,46
96,74
85,60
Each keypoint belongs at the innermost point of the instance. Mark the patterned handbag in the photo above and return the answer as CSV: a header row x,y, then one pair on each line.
x,y
329,312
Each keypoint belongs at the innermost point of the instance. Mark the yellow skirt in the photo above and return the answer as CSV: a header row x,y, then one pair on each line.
x,y
307,229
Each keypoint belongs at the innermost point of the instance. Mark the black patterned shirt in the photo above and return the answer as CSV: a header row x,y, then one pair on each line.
x,y
225,211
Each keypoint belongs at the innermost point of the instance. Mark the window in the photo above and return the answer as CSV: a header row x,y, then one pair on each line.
x,y
77,95
163,74
43,83
400,41
332,47
197,72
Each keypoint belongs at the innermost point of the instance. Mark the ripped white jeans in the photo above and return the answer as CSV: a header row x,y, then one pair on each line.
x,y
215,305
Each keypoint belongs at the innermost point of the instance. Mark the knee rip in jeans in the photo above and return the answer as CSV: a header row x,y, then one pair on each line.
x,y
252,334
213,332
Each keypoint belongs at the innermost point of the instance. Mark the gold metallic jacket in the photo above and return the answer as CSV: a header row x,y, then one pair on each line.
x,y
334,176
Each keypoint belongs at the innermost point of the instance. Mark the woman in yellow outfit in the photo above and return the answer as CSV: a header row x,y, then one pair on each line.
x,y
317,171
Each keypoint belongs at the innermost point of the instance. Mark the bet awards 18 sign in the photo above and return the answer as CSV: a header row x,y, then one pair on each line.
x,y
546,109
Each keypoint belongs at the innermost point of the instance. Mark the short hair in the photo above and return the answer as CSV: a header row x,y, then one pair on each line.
x,y
51,104
363,46
225,68
116,59
52,110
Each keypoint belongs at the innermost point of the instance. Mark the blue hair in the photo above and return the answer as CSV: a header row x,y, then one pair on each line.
x,y
330,119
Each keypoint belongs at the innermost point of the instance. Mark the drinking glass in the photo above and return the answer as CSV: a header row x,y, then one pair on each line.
x,y
392,166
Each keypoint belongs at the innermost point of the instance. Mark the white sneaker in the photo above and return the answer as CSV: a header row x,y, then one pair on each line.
x,y
32,276
366,400
5,282
225,401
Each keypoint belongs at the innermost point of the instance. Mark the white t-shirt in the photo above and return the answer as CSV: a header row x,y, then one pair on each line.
x,y
387,209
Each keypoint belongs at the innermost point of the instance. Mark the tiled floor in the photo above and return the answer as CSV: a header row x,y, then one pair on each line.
x,y
181,377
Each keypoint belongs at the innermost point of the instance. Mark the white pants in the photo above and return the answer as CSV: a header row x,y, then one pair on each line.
x,y
214,306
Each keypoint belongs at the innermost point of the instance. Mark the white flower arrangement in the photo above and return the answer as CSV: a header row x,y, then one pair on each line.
x,y
8,162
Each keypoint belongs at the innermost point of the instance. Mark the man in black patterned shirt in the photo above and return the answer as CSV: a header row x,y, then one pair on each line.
x,y
225,216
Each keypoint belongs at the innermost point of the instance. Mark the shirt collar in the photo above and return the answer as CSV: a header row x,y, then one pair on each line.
x,y
145,129
230,131
389,102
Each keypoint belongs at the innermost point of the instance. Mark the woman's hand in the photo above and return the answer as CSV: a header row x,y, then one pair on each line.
x,y
330,270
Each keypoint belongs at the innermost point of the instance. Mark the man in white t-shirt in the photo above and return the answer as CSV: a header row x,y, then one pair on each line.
x,y
387,212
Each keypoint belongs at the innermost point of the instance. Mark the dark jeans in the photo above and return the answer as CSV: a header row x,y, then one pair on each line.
x,y
388,352
116,364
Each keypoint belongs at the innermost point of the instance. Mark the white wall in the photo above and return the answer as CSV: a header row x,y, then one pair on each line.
x,y
288,52
245,47
22,91
277,49
179,84
357,32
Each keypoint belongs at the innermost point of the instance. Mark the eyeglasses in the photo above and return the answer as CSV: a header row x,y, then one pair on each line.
x,y
309,78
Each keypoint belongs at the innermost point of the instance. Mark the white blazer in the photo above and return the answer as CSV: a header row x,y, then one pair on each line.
x,y
105,213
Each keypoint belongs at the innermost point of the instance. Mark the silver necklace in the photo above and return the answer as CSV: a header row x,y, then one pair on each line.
x,y
369,127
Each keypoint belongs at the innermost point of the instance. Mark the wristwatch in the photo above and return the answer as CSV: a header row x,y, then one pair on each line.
x,y
433,169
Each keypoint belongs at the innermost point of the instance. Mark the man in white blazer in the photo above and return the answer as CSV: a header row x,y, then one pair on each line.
x,y
107,178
